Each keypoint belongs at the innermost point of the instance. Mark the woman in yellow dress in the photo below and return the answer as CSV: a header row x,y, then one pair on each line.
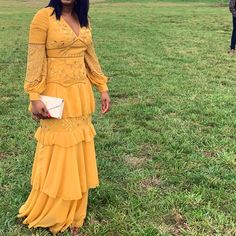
x,y
62,63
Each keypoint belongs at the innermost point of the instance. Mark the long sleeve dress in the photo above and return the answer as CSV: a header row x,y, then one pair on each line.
x,y
64,65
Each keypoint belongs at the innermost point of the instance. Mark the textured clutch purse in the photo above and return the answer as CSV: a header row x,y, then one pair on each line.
x,y
54,105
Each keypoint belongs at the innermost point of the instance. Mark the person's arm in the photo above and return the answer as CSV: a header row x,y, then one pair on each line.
x,y
94,70
232,7
36,71
96,76
35,78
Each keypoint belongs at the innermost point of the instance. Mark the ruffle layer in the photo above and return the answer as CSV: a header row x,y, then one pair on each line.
x,y
78,98
56,214
64,169
65,132
65,172
65,139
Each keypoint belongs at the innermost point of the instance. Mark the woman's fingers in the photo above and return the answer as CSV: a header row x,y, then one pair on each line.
x,y
39,110
105,102
108,104
105,105
35,117
45,113
42,114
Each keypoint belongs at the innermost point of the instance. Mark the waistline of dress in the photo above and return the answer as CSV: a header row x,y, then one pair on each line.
x,y
64,54
64,57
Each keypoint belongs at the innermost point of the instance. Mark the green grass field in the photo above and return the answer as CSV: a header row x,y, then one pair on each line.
x,y
166,152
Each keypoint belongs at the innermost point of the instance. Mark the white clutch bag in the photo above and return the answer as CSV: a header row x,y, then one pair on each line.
x,y
54,105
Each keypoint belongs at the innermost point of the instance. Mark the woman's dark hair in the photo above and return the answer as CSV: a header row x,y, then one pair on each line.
x,y
81,9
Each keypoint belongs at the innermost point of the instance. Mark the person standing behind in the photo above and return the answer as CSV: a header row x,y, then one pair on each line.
x,y
232,8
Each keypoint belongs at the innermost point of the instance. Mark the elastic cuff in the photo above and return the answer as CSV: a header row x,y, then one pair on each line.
x,y
34,96
103,88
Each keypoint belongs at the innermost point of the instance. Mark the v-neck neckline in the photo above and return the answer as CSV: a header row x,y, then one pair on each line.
x,y
68,25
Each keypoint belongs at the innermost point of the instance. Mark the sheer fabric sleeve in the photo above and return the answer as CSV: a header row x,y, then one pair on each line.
x,y
36,70
93,69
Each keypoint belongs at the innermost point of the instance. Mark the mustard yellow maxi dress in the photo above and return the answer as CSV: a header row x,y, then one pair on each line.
x,y
62,64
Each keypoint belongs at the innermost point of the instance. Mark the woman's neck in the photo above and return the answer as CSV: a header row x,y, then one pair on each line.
x,y
67,9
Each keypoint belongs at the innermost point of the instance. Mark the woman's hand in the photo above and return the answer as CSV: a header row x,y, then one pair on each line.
x,y
106,102
39,110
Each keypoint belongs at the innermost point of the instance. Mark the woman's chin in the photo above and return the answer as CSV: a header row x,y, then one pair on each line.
x,y
67,2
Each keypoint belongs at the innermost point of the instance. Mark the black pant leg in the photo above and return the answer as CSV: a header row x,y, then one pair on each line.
x,y
233,37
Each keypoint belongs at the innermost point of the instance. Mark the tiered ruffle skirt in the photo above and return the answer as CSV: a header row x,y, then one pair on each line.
x,y
64,169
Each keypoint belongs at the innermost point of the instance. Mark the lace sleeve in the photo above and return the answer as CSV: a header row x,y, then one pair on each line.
x,y
94,70
36,70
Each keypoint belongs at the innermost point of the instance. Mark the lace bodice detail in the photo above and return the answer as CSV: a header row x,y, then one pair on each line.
x,y
57,55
